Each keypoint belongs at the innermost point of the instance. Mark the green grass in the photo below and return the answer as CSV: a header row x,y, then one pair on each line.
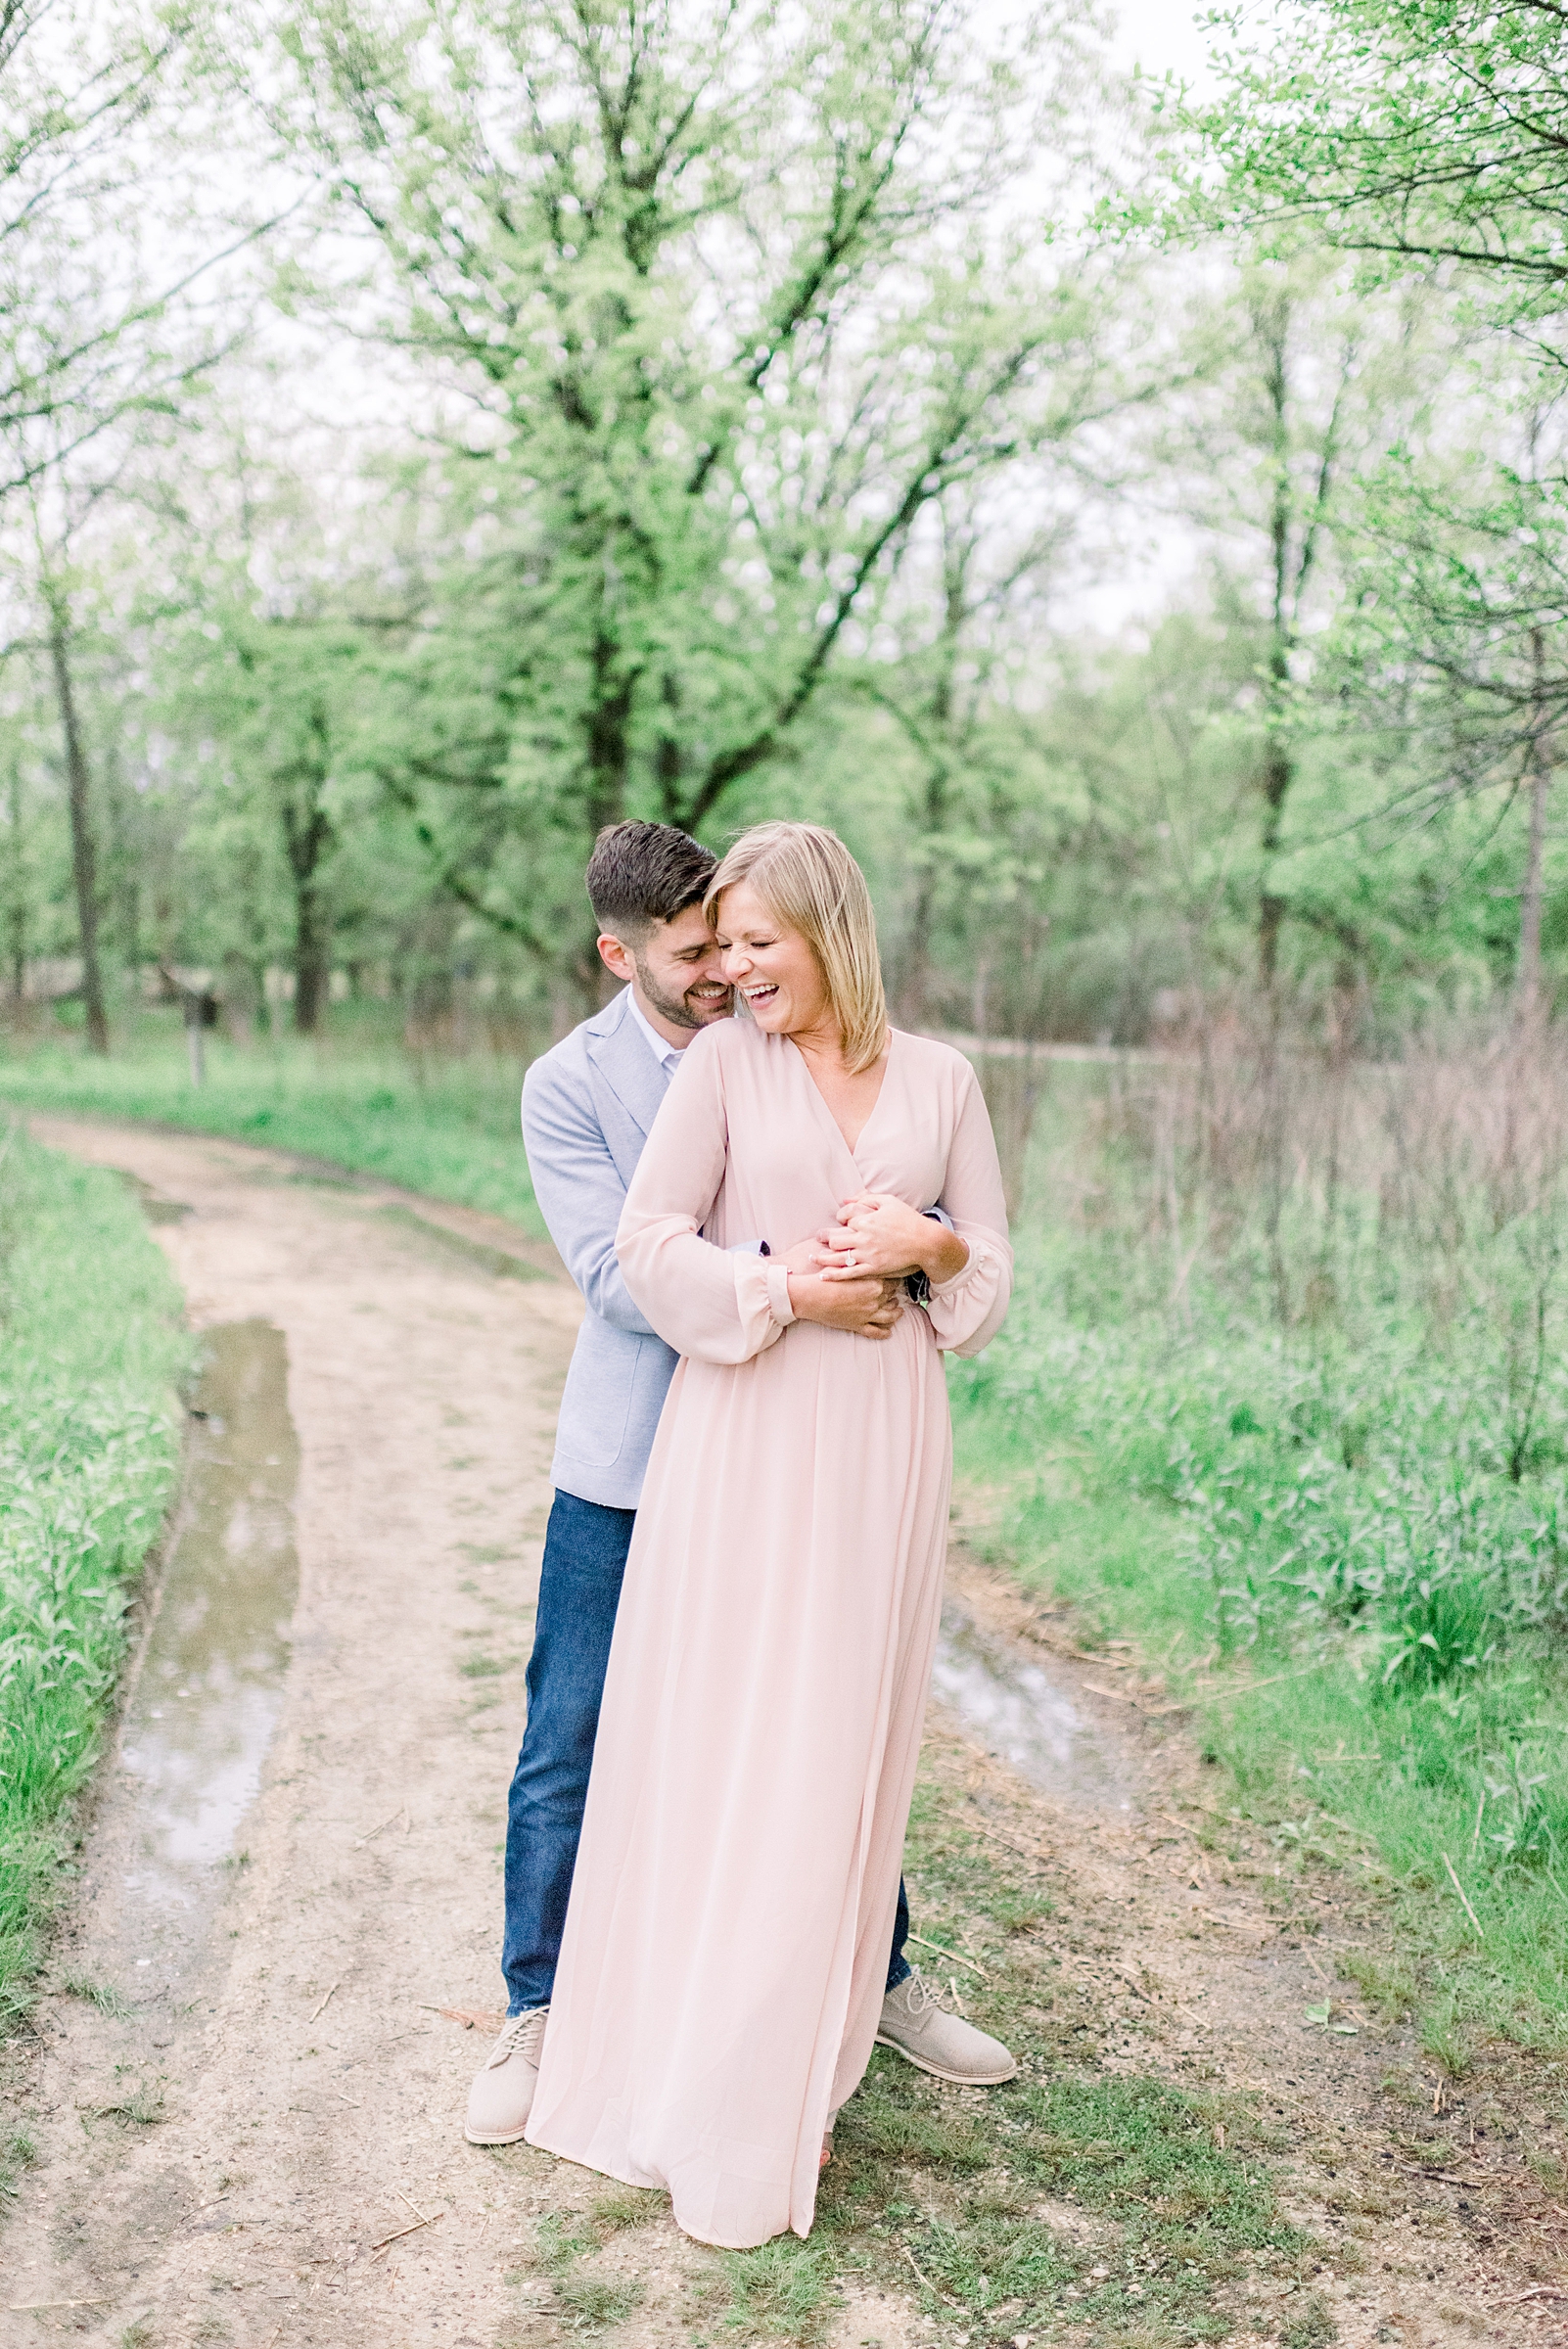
x,y
1317,1546
91,1350
928,2197
1070,2197
1316,1537
587,2300
448,1128
1333,1503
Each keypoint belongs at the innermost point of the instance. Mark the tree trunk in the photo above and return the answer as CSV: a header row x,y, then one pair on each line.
x,y
123,888
1278,774
307,836
935,804
915,986
83,847
1278,765
15,889
1543,759
312,957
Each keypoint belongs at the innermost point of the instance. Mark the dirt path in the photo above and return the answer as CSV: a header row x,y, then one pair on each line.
x,y
254,2102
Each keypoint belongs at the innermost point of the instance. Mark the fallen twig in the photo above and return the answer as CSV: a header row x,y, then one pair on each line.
x,y
321,2009
1240,1925
924,2280
399,2235
1537,2291
360,1841
414,2205
1464,1897
469,2019
1151,1998
1246,1687
979,1827
1414,2169
943,1949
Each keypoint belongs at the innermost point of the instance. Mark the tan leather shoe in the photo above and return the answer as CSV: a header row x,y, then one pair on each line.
x,y
916,2023
502,2094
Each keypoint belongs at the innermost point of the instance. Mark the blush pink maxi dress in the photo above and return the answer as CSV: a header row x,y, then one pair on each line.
x,y
726,1942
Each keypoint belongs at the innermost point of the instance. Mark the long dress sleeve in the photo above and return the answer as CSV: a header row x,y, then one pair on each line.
x,y
717,1306
967,1311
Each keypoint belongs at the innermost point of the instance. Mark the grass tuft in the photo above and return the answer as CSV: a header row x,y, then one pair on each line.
x,y
587,2299
18,2154
101,1994
142,2108
1311,2326
780,2291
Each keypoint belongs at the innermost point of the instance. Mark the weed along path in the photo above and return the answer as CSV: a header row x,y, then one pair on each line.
x,y
243,2084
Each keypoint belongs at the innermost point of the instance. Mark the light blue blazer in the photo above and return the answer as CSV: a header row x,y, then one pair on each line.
x,y
587,1107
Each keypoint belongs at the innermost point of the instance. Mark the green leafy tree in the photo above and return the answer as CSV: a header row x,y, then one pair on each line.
x,y
1416,131
730,302
1457,643
101,343
1304,382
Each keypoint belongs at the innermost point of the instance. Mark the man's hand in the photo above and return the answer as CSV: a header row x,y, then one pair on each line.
x,y
868,1307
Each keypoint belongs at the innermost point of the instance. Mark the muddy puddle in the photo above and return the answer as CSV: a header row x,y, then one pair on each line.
x,y
1016,1711
154,1206
209,1691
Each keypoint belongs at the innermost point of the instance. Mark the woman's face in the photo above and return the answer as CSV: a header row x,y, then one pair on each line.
x,y
772,968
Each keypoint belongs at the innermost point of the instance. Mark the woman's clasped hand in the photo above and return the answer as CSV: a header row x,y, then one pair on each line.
x,y
881,1235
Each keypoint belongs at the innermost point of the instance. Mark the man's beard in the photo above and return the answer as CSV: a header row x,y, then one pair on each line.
x,y
673,1008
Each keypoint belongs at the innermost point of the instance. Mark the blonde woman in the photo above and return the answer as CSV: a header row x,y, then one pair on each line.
x,y
722,1968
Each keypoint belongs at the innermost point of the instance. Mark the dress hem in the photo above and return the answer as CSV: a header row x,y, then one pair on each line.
x,y
624,2178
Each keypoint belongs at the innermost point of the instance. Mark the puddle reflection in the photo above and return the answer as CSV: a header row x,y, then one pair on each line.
x,y
1017,1712
211,1690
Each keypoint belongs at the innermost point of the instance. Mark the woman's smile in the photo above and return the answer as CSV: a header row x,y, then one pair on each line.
x,y
772,969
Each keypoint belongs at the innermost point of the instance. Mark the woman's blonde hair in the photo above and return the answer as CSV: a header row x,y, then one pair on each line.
x,y
809,881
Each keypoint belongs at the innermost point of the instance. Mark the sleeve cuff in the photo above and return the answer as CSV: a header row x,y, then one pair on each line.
x,y
778,1291
946,1288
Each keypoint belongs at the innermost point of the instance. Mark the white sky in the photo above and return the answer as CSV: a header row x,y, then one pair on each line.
x,y
1158,553
1162,36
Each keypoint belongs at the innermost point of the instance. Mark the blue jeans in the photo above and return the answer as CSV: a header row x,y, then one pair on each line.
x,y
585,1549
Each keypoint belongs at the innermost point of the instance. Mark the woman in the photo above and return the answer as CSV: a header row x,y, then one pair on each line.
x,y
726,1947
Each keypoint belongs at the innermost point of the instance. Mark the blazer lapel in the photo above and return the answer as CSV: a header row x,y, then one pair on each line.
x,y
621,1058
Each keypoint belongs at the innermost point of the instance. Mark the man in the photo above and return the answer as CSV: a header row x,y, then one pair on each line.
x,y
587,1107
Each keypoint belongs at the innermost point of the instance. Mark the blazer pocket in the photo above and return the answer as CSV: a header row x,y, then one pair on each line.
x,y
596,1401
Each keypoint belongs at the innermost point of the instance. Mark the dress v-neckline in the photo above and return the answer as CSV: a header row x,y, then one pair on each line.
x,y
851,1150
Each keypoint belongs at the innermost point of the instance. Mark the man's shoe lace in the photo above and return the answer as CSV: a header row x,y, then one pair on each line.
x,y
918,1996
522,2035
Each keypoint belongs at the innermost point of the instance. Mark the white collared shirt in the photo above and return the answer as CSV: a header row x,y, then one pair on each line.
x,y
666,1055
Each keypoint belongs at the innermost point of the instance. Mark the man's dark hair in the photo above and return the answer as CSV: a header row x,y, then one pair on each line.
x,y
640,874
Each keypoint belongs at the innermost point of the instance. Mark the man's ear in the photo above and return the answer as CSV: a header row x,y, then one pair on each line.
x,y
615,958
